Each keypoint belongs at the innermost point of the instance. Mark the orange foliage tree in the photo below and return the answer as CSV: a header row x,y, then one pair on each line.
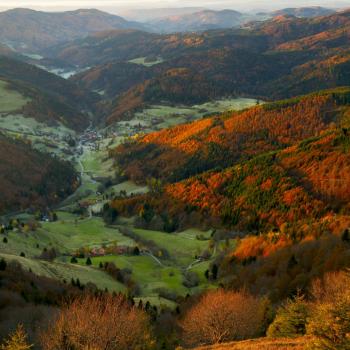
x,y
107,322
222,316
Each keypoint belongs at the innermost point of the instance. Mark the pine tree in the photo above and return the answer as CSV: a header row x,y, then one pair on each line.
x,y
16,340
290,320
88,261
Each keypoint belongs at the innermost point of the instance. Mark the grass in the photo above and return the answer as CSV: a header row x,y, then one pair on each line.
x,y
62,271
261,344
130,188
147,273
10,100
66,235
97,163
88,232
51,139
181,246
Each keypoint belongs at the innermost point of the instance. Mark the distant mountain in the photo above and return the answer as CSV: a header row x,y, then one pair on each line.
x,y
30,31
304,12
147,15
197,21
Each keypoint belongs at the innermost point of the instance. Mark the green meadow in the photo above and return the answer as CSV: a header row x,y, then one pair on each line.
x,y
66,235
65,272
10,100
181,246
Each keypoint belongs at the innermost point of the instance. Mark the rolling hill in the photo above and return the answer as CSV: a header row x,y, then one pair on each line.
x,y
238,139
50,98
31,31
275,59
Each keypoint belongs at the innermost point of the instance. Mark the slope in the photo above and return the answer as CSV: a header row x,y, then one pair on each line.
x,y
50,98
185,150
29,179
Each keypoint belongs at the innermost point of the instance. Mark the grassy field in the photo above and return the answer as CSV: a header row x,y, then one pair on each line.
x,y
130,188
88,232
142,61
63,271
181,246
97,163
66,235
151,276
10,100
50,139
147,272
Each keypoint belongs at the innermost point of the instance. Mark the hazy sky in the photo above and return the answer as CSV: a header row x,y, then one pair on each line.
x,y
114,5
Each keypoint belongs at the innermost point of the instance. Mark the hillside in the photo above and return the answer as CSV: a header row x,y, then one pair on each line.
x,y
29,179
275,175
32,31
114,78
50,98
176,153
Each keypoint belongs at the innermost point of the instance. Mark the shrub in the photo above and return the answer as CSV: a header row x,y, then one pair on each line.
x,y
329,323
107,322
222,316
290,320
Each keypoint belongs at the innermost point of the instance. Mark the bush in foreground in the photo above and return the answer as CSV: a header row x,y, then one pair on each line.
x,y
290,320
108,323
329,323
222,316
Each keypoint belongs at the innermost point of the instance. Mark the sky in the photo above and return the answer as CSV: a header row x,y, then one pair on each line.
x,y
115,5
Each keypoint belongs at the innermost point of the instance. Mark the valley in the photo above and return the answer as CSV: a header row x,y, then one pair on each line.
x,y
164,261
